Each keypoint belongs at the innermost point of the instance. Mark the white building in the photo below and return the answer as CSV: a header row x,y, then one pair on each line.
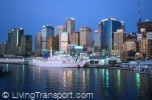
x,y
63,41
70,26
59,29
86,36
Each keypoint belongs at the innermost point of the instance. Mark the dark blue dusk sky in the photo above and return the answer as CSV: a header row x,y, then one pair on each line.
x,y
32,14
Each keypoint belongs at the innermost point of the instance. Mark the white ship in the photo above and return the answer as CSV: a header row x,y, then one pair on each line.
x,y
59,61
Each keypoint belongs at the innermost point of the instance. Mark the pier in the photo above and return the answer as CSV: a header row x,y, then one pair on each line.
x,y
14,60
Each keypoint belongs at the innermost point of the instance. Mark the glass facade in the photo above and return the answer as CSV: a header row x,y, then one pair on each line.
x,y
108,27
15,40
70,27
37,42
26,45
46,32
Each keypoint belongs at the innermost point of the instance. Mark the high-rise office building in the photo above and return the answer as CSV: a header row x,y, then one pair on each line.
x,y
145,41
52,42
129,49
9,41
63,41
86,36
119,39
99,31
37,42
59,29
146,24
46,32
14,40
3,49
7,48
108,27
70,27
26,45
131,36
134,37
75,38
97,40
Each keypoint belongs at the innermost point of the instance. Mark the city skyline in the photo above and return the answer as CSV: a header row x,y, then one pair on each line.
x,y
32,15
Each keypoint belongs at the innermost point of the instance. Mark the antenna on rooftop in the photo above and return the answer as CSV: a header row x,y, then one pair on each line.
x,y
139,15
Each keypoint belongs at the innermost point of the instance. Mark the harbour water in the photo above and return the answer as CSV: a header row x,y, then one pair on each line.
x,y
104,84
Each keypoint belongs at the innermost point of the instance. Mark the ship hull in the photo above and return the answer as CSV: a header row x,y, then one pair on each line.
x,y
57,64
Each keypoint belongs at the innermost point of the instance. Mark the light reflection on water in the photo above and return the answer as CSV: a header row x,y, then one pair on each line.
x,y
104,83
138,80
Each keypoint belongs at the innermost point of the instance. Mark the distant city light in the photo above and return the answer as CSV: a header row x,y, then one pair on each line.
x,y
143,30
146,20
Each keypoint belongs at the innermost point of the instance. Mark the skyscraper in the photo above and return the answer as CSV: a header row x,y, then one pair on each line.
x,y
70,27
37,42
46,32
108,27
119,39
9,41
59,29
145,42
146,24
75,38
63,41
14,40
99,31
97,40
86,36
26,45
52,42
2,49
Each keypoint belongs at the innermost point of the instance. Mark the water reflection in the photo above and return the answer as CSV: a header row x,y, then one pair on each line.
x,y
7,67
107,78
106,84
23,71
138,80
119,79
102,73
88,74
83,79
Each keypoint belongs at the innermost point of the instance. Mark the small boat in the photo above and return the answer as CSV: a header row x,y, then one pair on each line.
x,y
3,73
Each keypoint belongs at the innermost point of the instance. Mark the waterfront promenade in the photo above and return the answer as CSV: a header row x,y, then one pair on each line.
x,y
20,60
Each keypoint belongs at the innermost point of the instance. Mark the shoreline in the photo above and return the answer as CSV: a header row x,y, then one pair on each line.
x,y
14,60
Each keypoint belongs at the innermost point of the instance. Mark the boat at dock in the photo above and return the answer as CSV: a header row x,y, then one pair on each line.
x,y
129,65
60,60
144,67
139,67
